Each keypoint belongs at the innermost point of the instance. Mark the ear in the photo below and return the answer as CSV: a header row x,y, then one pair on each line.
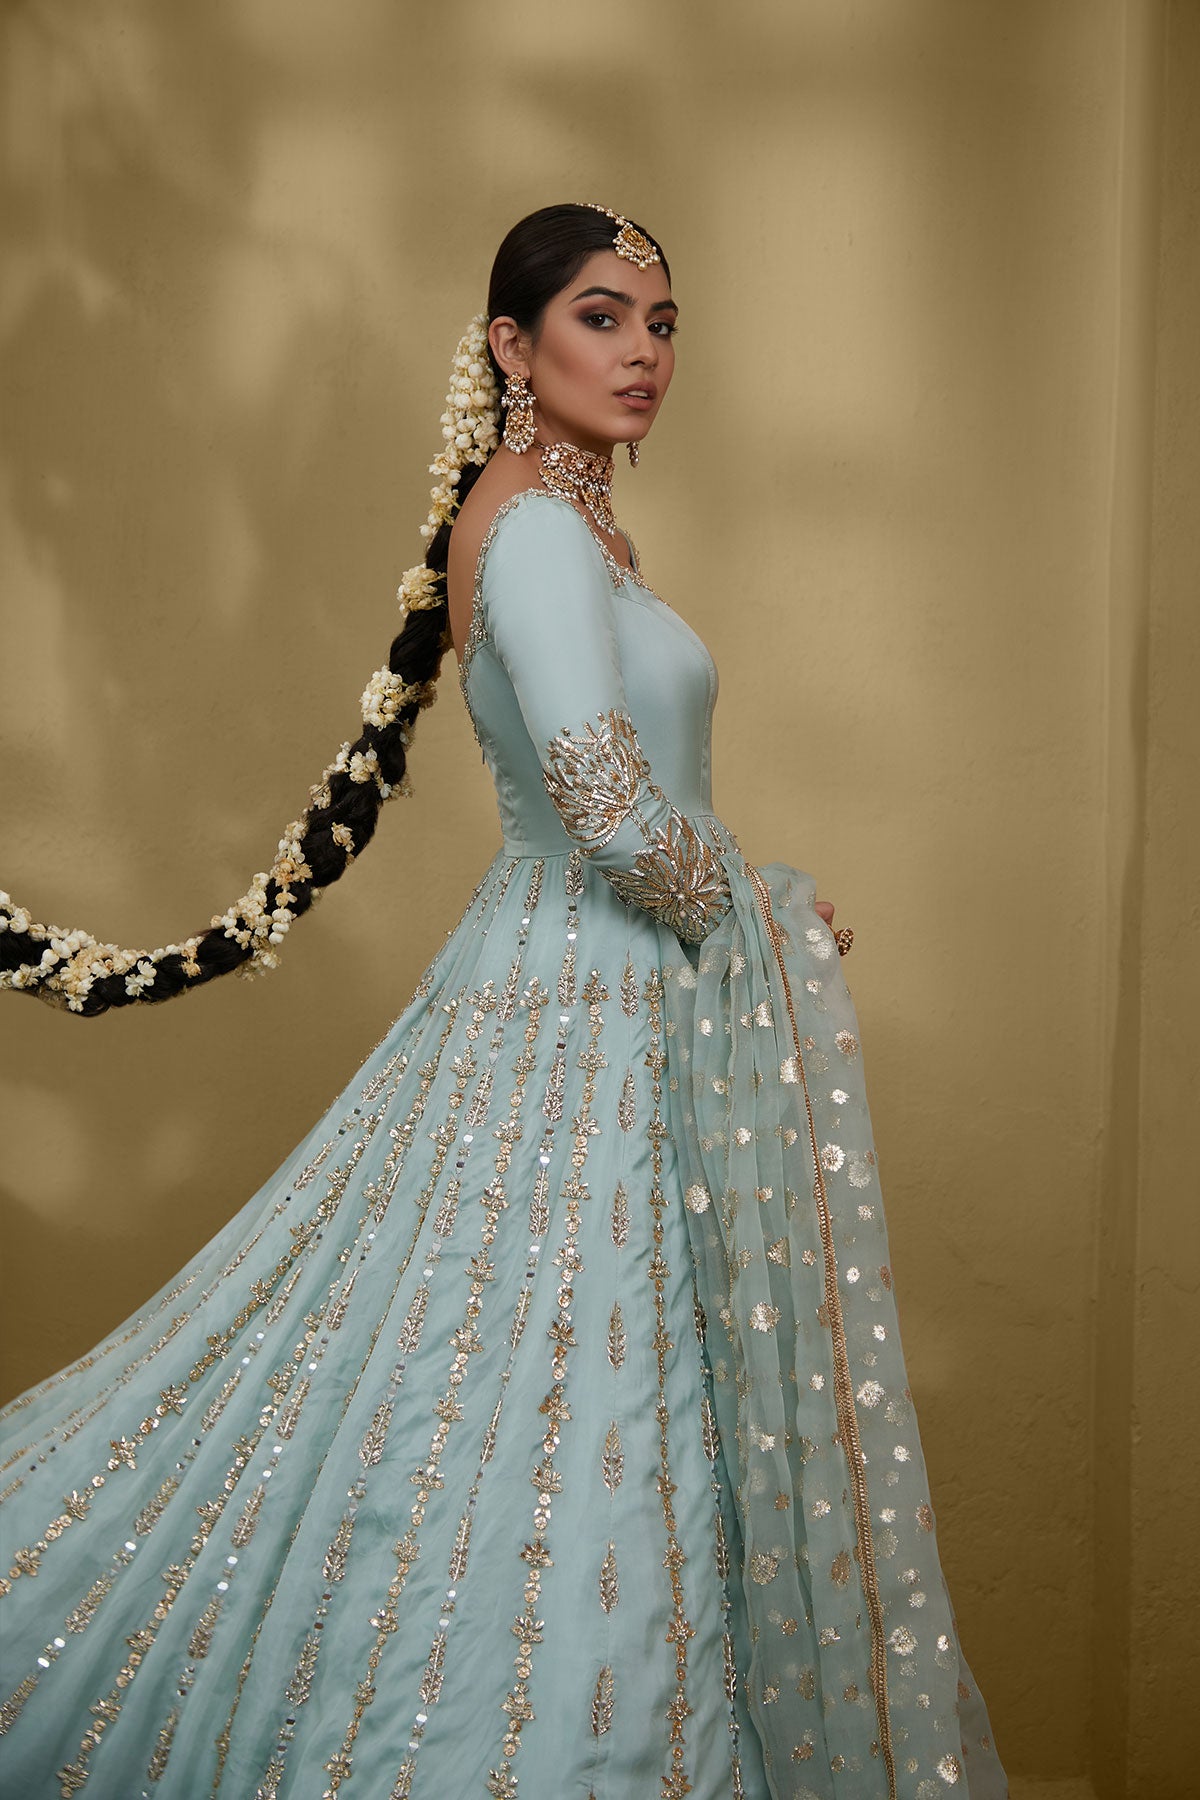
x,y
509,346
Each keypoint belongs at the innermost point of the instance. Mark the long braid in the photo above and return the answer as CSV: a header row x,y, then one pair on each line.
x,y
536,260
71,969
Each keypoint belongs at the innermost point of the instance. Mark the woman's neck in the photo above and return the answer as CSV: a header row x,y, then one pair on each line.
x,y
581,475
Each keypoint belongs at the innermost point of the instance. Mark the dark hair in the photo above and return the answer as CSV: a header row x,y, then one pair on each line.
x,y
540,256
537,259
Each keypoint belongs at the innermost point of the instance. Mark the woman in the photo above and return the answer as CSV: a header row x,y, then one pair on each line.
x,y
541,1428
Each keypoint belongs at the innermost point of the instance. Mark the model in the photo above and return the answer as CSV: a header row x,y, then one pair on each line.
x,y
541,1428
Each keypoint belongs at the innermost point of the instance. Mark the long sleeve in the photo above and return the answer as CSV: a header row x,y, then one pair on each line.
x,y
547,609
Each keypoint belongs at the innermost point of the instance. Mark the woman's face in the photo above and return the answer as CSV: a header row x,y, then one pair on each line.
x,y
602,358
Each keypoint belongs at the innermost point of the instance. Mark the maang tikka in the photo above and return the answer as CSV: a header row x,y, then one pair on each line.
x,y
636,248
629,242
517,402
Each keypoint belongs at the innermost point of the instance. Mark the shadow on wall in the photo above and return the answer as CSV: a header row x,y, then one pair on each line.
x,y
219,407
201,399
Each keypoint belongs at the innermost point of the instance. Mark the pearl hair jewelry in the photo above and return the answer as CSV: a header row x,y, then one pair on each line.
x,y
629,242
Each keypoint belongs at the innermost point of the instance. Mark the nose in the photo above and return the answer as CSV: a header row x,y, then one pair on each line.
x,y
644,349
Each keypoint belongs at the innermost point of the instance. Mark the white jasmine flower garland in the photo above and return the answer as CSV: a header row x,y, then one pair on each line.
x,y
68,963
470,425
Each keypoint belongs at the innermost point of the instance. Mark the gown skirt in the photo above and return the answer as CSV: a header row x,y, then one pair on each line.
x,y
538,1431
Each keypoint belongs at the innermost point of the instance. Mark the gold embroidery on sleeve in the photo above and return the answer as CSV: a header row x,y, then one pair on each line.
x,y
594,779
597,779
678,879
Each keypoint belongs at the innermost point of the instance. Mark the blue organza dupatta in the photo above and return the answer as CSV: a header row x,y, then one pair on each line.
x,y
856,1681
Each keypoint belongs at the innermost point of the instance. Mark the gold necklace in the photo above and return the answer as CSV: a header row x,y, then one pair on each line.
x,y
581,475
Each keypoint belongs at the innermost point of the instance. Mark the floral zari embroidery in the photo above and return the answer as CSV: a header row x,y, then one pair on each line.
x,y
598,778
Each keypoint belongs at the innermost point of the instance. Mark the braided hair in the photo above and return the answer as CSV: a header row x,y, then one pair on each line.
x,y
537,259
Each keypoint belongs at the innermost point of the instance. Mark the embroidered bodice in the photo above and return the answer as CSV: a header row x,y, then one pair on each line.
x,y
592,702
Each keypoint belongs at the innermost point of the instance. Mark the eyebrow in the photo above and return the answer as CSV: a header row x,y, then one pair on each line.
x,y
623,299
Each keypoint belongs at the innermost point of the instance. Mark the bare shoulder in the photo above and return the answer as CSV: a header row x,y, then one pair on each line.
x,y
500,482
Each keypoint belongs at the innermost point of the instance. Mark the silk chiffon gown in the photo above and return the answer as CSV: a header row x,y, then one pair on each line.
x,y
540,1429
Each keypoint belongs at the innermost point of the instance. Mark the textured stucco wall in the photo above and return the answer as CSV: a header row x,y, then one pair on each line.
x,y
242,239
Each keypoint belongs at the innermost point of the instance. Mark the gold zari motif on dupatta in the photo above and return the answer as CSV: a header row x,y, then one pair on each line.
x,y
843,1385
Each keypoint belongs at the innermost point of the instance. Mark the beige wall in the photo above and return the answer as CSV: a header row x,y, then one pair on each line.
x,y
1164,1306
924,485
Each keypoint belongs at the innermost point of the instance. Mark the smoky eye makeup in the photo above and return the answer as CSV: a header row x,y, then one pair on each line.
x,y
663,327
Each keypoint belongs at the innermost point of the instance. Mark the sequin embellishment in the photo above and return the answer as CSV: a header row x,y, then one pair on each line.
x,y
597,779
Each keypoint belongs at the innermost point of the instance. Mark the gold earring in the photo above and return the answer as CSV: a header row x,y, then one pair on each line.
x,y
633,454
517,402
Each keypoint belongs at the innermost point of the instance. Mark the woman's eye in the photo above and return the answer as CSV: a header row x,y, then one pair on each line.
x,y
599,319
664,328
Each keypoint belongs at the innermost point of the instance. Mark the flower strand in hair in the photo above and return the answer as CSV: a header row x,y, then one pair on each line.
x,y
72,969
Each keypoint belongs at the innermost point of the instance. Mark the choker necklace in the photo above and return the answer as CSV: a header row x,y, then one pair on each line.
x,y
575,474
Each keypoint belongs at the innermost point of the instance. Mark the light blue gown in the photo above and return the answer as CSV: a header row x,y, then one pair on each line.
x,y
540,1430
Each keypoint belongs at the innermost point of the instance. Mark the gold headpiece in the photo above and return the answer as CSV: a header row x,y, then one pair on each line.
x,y
629,242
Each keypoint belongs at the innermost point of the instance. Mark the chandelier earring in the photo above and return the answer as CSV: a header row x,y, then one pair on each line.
x,y
634,451
517,401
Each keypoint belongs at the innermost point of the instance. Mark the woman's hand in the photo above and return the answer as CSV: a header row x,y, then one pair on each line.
x,y
843,938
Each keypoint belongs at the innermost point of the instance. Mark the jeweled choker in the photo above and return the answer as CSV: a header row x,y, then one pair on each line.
x,y
575,474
